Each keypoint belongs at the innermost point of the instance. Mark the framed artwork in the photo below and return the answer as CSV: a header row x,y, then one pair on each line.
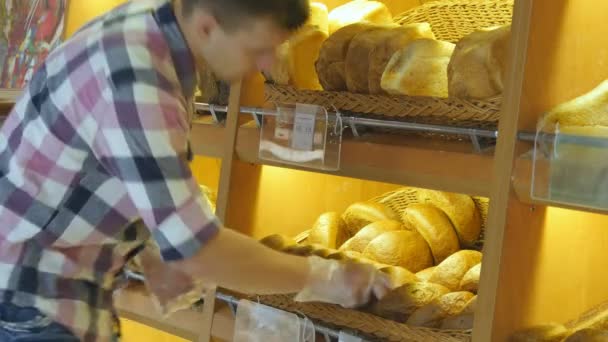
x,y
30,29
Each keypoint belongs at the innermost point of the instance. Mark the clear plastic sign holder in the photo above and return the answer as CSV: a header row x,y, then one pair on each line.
x,y
570,166
301,135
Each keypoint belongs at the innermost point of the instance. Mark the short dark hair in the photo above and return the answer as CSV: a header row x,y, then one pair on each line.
x,y
287,14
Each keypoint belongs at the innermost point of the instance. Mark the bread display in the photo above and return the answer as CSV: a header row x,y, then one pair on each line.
x,y
329,230
405,248
399,276
358,242
470,281
360,214
435,227
425,274
401,302
358,11
450,272
432,314
586,110
419,69
461,210
546,333
479,63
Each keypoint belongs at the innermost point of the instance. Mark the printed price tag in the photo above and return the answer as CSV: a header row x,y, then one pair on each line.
x,y
344,337
304,127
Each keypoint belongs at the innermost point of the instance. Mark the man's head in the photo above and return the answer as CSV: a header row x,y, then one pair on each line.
x,y
235,37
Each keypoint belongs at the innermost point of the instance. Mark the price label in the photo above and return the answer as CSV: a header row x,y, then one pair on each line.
x,y
304,127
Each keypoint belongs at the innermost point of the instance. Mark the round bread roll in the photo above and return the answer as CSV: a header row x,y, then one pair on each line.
x,y
461,210
360,214
358,242
435,226
277,242
399,276
425,274
552,332
470,281
405,248
431,315
401,302
419,69
329,231
463,321
451,271
588,335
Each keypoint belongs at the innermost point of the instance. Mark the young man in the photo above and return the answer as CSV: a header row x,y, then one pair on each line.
x,y
98,141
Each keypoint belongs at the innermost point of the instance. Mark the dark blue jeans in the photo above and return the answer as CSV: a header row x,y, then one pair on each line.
x,y
30,325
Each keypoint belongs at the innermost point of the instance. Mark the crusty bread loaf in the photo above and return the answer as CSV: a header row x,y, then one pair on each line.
x,y
588,335
330,65
461,210
479,63
359,11
405,248
586,110
425,274
432,314
277,242
470,281
360,214
419,69
552,332
383,50
401,302
399,276
450,272
329,230
363,237
435,226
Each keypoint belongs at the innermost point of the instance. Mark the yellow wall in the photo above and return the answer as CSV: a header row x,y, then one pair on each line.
x,y
81,11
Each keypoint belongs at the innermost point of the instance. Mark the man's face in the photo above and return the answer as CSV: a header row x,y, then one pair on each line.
x,y
246,49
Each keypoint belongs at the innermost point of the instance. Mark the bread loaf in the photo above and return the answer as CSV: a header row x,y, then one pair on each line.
x,y
432,314
399,276
479,63
401,302
587,110
588,335
358,242
277,242
471,306
425,274
461,210
330,64
435,226
546,333
470,281
329,230
450,272
403,248
384,49
360,214
463,321
359,11
419,69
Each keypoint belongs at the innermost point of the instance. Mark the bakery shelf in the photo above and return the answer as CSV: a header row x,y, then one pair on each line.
x,y
207,136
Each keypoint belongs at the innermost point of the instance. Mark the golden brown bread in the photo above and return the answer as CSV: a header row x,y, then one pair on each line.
x,y
588,335
461,210
478,66
329,230
419,69
359,11
435,226
401,302
403,248
471,306
470,281
399,276
432,314
552,332
363,237
450,272
586,110
360,214
425,274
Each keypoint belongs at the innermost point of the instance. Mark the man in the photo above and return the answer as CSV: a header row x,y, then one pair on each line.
x,y
98,141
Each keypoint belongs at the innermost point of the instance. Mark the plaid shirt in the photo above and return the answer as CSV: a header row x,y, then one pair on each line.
x,y
97,141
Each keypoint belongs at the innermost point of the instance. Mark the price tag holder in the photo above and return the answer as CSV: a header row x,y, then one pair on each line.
x,y
302,135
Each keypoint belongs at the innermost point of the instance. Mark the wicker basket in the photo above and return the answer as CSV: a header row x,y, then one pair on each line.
x,y
376,327
450,20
